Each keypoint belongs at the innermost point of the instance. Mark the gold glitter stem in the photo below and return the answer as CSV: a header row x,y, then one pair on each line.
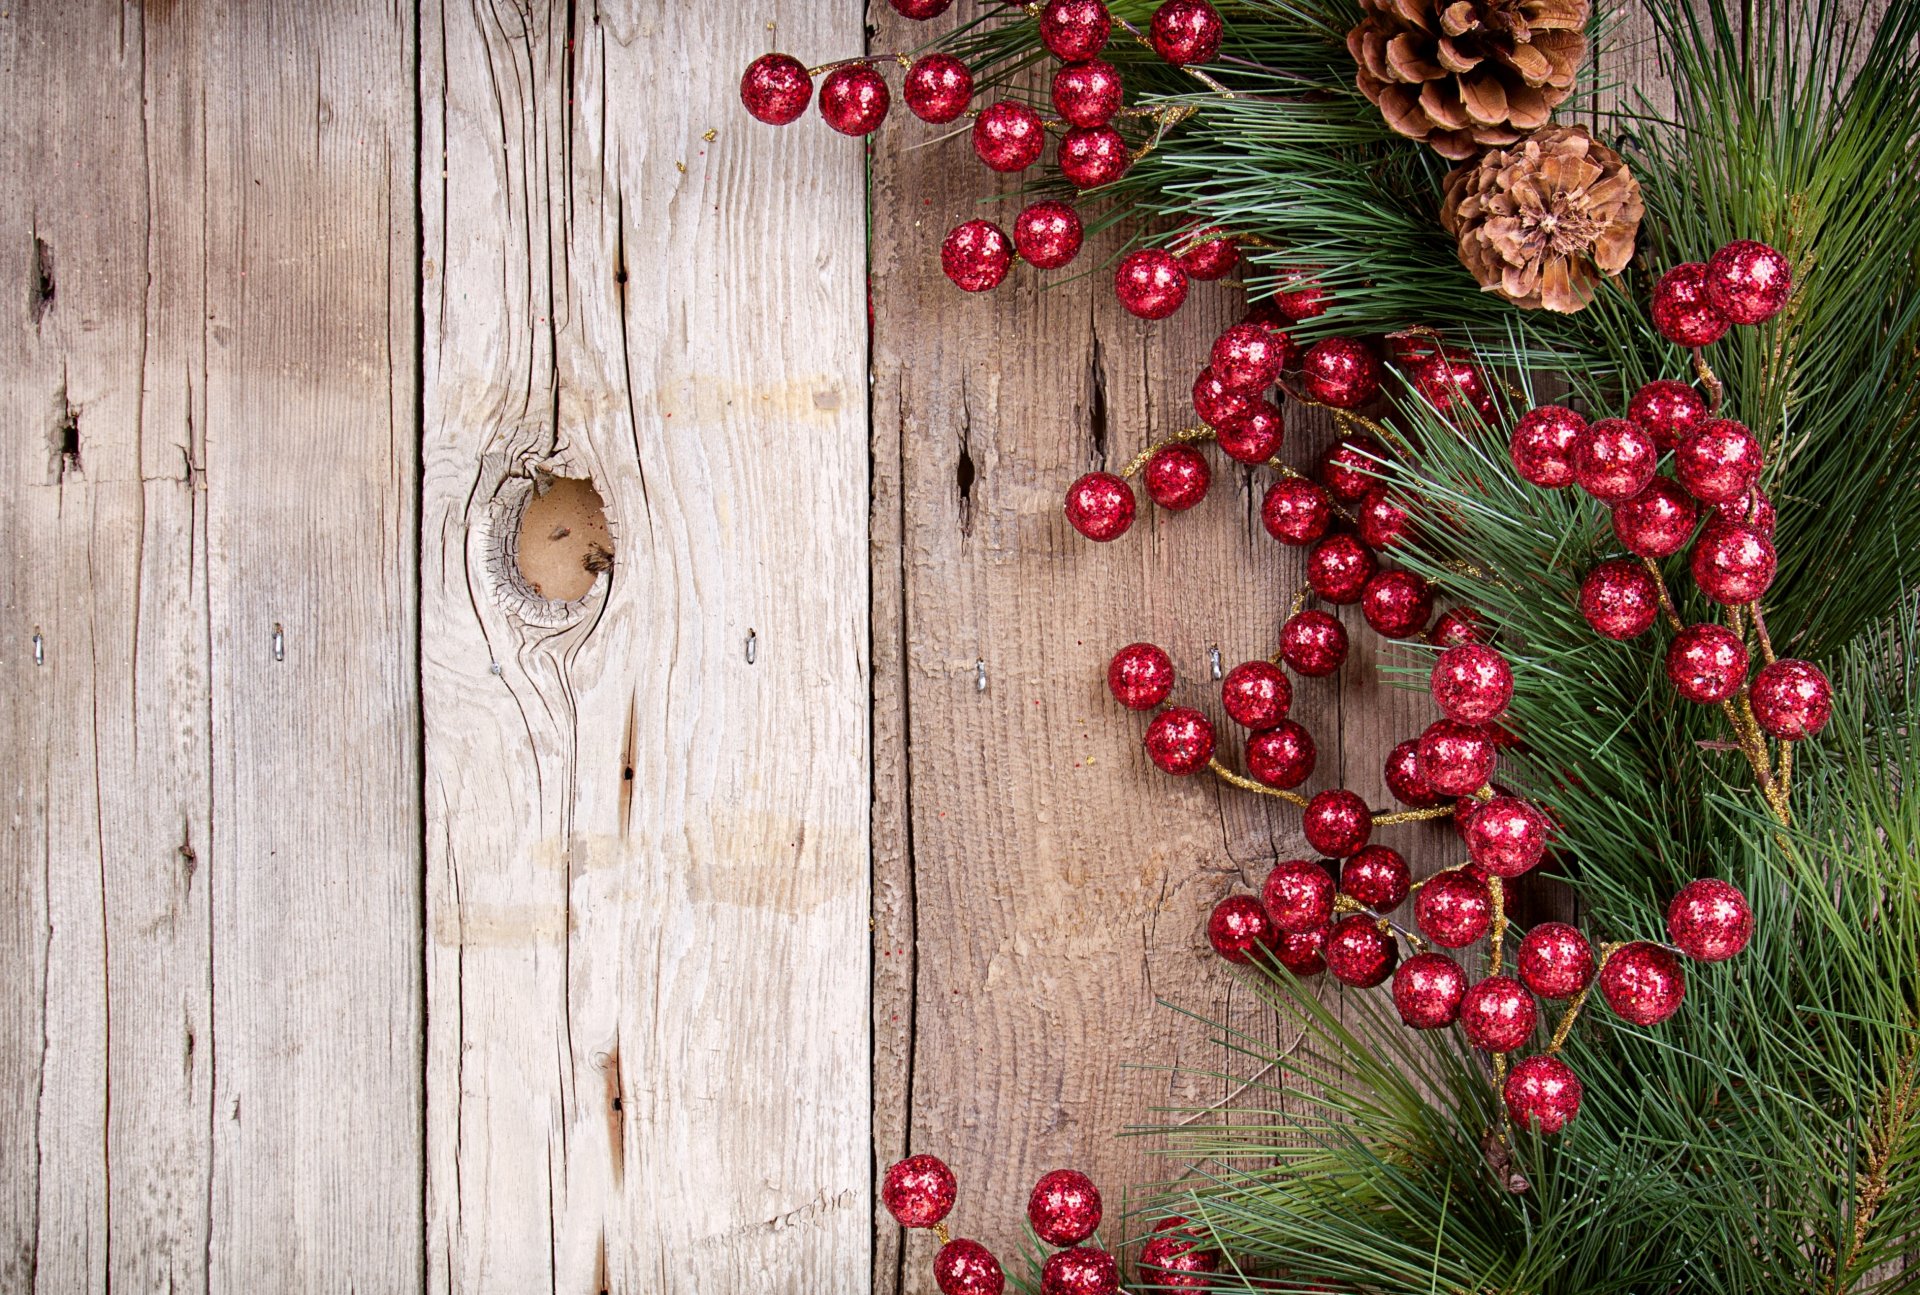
x,y
1716,390
1247,784
1412,815
1186,436
1499,937
1572,1014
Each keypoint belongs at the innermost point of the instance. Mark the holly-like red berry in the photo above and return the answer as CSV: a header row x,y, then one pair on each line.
x,y
1456,759
1667,411
1404,780
1681,309
1082,1270
1303,954
1498,1014
1298,896
1377,877
1358,953
1064,1207
1337,823
1751,509
1380,519
1150,283
1338,568
1218,404
966,1267
918,1191
1296,511
1282,756
1709,920
1718,463
1253,437
1256,695
1791,699
1140,676
920,10
1620,599
1313,643
1247,358
1340,372
1239,926
1089,93
776,89
1555,960
1174,1259
1177,477
1643,983
1074,29
1733,565
1472,683
1615,460
1748,282
1048,234
1657,522
976,256
1264,316
1397,604
1428,989
1542,445
1542,1091
1091,156
1351,467
1209,253
1706,663
854,99
938,88
1186,31
1458,625
1301,296
1180,740
1008,136
1507,836
1450,381
1100,506
1453,909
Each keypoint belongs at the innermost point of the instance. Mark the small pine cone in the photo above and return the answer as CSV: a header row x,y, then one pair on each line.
x,y
1466,74
1540,222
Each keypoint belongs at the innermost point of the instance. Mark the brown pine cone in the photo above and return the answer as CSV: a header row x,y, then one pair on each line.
x,y
1464,74
1540,222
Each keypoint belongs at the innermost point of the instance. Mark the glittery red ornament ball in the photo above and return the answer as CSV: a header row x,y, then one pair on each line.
x,y
1209,253
1358,953
1341,372
1507,836
1337,823
1614,460
1555,960
1733,565
918,1191
1313,643
1709,920
1427,990
1282,756
1619,599
1459,625
1300,296
1351,467
1298,895
1008,136
1456,759
1074,29
1397,604
1718,463
1180,740
1791,699
1751,509
1404,780
1237,926
937,88
1177,477
1296,511
1140,676
1064,1207
1449,380
1681,310
1089,93
1643,983
854,99
966,1267
1091,156
1100,506
920,10
1748,282
1186,31
976,256
1667,411
1380,519
1247,358
1706,663
776,89
1303,954
1253,437
1542,445
1471,683
1339,566
1256,695
1542,1090
1657,522
1498,1014
1174,1259
1377,877
1265,316
1218,404
1083,1270
1048,234
1150,283
1453,908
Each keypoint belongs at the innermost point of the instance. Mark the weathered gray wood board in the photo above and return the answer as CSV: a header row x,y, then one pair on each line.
x,y
647,811
210,947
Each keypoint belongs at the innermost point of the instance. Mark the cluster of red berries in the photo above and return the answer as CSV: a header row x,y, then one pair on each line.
x,y
1743,283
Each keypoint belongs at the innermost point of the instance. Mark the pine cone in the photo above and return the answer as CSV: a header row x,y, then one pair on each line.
x,y
1539,223
1463,74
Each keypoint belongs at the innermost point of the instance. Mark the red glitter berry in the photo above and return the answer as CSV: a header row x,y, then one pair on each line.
x,y
1100,506
1459,625
1718,463
1358,953
976,256
1453,908
1082,1270
1643,983
1657,522
1048,234
1298,895
1088,94
1253,437
965,1267
1733,565
1282,756
1313,643
1498,1014
918,1191
1427,991
1186,31
1180,740
1507,836
1150,283
1706,663
1542,1091
1456,759
1301,296
1709,920
1009,136
1377,877
1351,467
1542,444
1238,927
1338,568
1615,460
937,88
1404,780
1472,683
1748,282
1667,411
1302,954
1209,253
1555,960
1074,29
1176,477
776,89
1340,372
1337,823
1218,404
1681,309
1140,676
1064,1207
1174,1259
920,10
1397,604
1256,695
1791,699
1247,358
1751,509
1381,521
854,99
1091,156
1296,511
1619,599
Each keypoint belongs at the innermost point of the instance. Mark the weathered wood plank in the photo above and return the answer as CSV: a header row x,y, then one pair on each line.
x,y
648,846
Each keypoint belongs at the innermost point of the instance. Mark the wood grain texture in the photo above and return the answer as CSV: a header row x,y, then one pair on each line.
x,y
210,1037
647,842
